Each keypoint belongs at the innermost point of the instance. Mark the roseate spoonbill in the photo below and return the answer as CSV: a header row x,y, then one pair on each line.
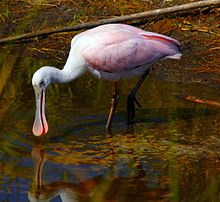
x,y
112,52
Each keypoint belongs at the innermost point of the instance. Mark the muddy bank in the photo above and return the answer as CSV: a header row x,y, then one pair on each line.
x,y
198,32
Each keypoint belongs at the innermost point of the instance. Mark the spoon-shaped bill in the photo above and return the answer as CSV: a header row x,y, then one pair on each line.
x,y
40,126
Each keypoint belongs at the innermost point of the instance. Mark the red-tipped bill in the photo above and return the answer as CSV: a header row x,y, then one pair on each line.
x,y
40,126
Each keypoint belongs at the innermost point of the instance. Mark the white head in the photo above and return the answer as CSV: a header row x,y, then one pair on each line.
x,y
40,81
45,76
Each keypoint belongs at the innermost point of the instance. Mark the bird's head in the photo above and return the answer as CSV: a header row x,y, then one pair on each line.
x,y
40,81
42,77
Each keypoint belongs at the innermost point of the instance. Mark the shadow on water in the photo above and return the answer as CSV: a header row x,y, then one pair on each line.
x,y
172,153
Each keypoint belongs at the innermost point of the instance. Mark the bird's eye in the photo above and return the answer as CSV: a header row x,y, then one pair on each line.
x,y
41,84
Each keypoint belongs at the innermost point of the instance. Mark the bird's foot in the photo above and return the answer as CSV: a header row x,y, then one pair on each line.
x,y
108,130
130,108
131,101
137,102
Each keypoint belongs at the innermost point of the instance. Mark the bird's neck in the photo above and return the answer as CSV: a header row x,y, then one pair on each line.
x,y
75,66
72,70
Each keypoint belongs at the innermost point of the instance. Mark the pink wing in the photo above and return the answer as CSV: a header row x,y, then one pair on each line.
x,y
117,47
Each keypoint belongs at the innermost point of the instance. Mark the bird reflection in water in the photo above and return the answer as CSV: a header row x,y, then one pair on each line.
x,y
68,192
109,187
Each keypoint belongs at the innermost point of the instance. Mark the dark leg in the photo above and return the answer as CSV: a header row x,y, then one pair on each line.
x,y
131,99
114,102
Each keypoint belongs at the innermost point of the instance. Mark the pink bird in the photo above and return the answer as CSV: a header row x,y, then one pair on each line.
x,y
112,52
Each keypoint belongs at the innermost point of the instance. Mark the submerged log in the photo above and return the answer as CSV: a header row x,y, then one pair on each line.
x,y
126,18
197,100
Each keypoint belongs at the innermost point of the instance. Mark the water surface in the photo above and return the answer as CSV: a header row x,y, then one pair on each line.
x,y
171,153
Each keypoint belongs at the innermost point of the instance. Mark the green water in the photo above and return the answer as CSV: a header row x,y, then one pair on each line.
x,y
171,153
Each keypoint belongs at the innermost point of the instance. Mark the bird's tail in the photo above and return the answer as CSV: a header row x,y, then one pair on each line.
x,y
176,56
172,44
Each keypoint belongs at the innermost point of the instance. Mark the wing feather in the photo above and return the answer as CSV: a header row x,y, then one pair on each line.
x,y
123,47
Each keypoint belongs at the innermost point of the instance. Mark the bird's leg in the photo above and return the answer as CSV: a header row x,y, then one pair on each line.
x,y
114,102
131,99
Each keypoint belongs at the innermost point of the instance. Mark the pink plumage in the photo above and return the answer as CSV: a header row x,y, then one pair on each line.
x,y
116,48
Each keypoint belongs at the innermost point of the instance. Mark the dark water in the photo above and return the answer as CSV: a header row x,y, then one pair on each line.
x,y
171,154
